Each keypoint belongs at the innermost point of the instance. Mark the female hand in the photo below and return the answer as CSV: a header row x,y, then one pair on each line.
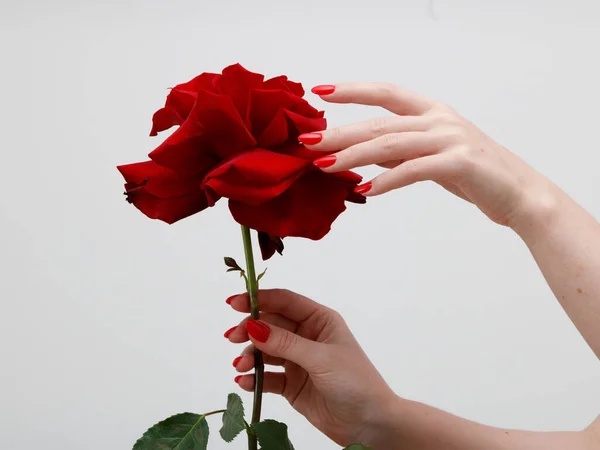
x,y
329,380
327,377
426,140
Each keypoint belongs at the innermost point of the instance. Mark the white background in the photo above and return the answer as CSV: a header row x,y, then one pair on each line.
x,y
110,321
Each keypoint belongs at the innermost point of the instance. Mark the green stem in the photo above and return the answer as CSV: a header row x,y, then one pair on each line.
x,y
220,411
259,367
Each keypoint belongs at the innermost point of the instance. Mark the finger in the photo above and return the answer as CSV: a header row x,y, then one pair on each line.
x,y
245,362
433,167
389,147
393,98
391,164
288,304
238,334
343,137
273,382
281,343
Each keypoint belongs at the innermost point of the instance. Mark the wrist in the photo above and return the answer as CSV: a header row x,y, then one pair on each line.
x,y
538,208
380,430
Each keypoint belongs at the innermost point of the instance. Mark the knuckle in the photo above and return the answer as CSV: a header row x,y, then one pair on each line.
x,y
378,126
286,342
464,158
454,134
385,89
441,107
334,134
280,292
411,169
324,318
389,142
447,118
335,318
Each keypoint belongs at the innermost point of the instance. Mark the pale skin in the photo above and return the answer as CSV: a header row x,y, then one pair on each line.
x,y
327,377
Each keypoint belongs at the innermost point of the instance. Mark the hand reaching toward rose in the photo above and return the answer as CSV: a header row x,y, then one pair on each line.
x,y
424,140
427,140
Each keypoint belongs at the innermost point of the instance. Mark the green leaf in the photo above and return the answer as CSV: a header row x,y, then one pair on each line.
x,y
232,264
185,431
233,418
261,275
357,447
272,435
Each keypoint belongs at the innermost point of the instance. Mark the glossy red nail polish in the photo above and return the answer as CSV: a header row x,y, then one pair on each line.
x,y
325,161
237,379
363,188
310,138
258,330
228,332
236,361
230,299
323,89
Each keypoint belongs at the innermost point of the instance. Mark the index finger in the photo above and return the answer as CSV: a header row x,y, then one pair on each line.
x,y
294,306
389,96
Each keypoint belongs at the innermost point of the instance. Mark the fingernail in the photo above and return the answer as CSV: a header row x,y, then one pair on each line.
x,y
325,161
361,189
323,89
230,299
236,361
310,138
238,378
228,332
258,330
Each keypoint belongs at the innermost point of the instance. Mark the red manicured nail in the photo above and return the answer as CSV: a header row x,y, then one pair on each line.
x,y
237,379
361,189
323,89
325,161
228,332
230,299
258,330
310,138
236,361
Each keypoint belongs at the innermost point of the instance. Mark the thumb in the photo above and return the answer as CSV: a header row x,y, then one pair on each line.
x,y
284,344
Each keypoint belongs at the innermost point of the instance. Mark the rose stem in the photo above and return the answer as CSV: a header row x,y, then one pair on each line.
x,y
259,367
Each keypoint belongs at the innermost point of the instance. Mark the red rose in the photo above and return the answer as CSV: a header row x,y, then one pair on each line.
x,y
237,138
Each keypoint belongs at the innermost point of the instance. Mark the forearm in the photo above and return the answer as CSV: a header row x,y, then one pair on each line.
x,y
565,241
408,425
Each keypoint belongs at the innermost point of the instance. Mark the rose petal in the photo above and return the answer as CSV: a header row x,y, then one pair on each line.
x,y
304,124
350,180
161,193
203,82
213,129
298,150
286,126
264,105
307,209
180,102
282,82
269,245
225,129
169,210
237,82
355,197
160,181
276,133
348,177
255,177
186,150
163,119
